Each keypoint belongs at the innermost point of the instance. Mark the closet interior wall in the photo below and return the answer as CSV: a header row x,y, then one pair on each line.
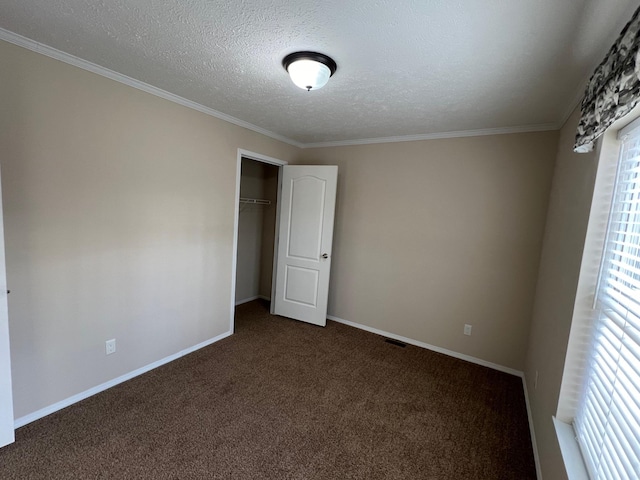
x,y
256,231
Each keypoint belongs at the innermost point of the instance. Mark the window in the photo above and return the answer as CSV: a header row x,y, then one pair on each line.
x,y
607,421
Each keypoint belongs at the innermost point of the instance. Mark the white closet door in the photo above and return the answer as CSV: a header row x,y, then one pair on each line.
x,y
305,238
6,396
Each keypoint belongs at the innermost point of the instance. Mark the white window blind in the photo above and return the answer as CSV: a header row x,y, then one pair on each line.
x,y
607,422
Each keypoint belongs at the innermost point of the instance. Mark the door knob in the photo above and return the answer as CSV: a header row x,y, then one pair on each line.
x,y
325,255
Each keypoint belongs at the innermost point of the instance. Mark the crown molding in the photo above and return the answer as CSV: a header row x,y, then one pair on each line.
x,y
67,58
575,103
578,95
51,52
435,136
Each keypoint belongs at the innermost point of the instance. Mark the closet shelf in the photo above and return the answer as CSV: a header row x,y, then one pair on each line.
x,y
255,201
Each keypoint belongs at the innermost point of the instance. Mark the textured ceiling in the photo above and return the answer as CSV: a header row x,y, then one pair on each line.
x,y
405,67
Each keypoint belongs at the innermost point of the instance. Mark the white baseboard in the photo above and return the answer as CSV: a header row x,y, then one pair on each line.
x,y
534,444
410,341
43,412
247,300
251,299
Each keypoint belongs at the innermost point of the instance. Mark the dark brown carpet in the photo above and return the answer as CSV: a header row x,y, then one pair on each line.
x,y
286,400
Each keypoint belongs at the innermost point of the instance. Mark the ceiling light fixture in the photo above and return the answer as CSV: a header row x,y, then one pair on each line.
x,y
309,70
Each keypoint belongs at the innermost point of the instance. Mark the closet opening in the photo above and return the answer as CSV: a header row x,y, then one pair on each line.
x,y
256,226
296,202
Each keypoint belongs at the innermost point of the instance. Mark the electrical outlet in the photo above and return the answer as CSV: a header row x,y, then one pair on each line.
x,y
467,329
535,381
110,346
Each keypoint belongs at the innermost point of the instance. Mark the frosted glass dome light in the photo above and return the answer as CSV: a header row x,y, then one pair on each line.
x,y
309,70
309,74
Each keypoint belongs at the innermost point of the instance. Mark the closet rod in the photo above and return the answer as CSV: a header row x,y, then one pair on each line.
x,y
255,201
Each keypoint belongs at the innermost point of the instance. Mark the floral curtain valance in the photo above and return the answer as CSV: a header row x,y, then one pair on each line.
x,y
613,89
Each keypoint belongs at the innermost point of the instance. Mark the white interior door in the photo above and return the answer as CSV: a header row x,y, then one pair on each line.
x,y
305,235
6,396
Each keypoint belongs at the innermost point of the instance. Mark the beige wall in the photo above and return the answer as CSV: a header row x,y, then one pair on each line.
x,y
567,219
119,218
431,235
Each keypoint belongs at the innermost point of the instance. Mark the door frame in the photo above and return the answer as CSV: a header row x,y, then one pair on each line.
x,y
258,157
